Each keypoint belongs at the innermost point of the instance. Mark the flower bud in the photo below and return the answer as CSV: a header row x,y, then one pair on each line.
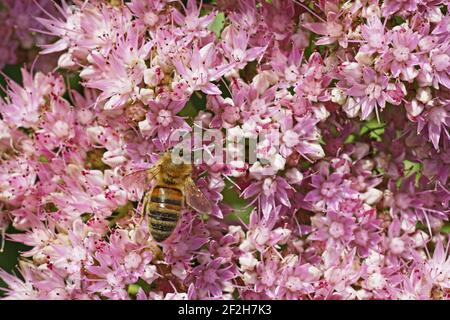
x,y
248,261
364,58
372,196
65,61
294,176
337,96
424,95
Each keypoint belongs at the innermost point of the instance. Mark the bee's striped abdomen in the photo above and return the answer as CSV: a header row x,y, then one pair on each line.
x,y
164,209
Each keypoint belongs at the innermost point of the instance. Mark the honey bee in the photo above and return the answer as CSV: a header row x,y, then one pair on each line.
x,y
174,188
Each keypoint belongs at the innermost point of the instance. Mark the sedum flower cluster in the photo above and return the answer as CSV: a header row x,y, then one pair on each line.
x,y
348,201
20,33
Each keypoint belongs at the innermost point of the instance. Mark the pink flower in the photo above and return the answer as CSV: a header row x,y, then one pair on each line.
x,y
331,205
299,281
438,267
200,68
329,190
192,24
148,12
162,120
191,234
278,17
435,69
262,231
270,192
300,136
413,203
25,104
335,227
22,19
17,178
371,93
119,75
226,113
374,33
235,43
367,233
19,289
67,28
119,262
390,7
334,28
401,58
210,278
435,119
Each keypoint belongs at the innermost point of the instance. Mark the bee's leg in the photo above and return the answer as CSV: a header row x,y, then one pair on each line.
x,y
143,208
145,203
156,250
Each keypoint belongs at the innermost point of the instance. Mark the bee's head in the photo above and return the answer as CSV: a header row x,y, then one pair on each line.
x,y
176,164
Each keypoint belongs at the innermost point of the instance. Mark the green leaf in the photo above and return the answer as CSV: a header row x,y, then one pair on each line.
x,y
10,255
12,71
411,167
249,71
446,228
217,25
120,212
241,210
373,128
43,159
398,20
133,289
189,110
350,139
242,214
312,46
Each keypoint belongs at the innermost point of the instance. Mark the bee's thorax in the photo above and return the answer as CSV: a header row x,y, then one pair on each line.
x,y
174,174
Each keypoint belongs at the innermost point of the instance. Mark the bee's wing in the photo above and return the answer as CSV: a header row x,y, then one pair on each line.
x,y
195,198
140,179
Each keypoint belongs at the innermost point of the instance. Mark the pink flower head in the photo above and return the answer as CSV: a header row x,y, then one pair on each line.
x,y
435,119
329,190
270,191
119,75
278,17
200,69
333,226
435,70
328,202
210,278
192,24
25,104
390,7
401,58
148,12
374,33
334,28
371,93
235,43
162,120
